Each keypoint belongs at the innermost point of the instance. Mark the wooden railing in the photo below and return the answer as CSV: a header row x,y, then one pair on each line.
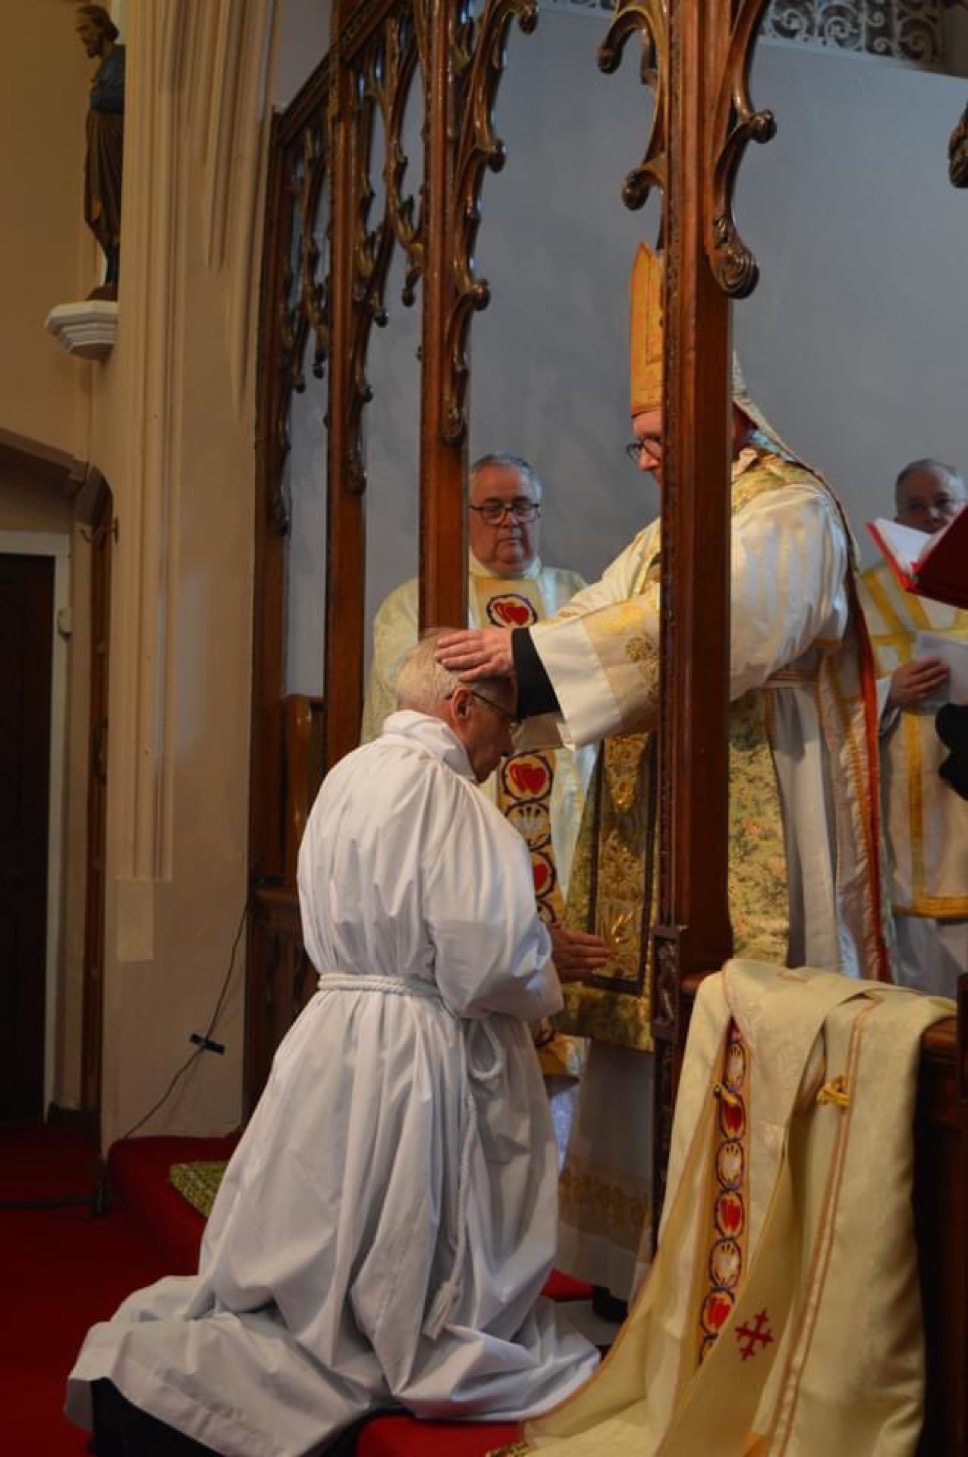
x,y
280,978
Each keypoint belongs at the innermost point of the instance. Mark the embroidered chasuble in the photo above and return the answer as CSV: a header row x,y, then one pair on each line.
x,y
803,709
927,820
782,1312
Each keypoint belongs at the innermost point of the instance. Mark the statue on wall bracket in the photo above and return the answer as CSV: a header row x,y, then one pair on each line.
x,y
105,140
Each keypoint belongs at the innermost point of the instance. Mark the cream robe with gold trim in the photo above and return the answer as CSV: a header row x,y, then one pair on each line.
x,y
779,1318
927,820
794,653
794,634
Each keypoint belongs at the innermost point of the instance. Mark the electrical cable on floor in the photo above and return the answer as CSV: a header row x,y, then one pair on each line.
x,y
98,1198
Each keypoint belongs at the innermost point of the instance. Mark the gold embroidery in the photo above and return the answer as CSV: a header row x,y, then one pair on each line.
x,y
611,891
588,1200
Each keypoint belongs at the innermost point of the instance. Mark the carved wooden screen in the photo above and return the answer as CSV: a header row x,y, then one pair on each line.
x,y
696,56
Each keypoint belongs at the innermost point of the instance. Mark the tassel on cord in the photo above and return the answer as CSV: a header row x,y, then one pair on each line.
x,y
836,1092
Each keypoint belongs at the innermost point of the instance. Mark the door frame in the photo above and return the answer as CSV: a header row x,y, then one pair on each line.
x,y
56,545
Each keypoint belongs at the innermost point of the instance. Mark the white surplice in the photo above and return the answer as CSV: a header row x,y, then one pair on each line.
x,y
387,1222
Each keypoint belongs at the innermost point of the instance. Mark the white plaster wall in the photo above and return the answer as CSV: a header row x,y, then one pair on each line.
x,y
855,340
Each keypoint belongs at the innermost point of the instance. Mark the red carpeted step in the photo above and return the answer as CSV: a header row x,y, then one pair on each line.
x,y
560,1286
139,1171
405,1436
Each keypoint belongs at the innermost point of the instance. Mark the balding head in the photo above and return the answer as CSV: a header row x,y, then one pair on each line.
x,y
927,494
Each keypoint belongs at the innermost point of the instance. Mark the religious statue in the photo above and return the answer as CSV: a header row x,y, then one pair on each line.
x,y
958,153
105,140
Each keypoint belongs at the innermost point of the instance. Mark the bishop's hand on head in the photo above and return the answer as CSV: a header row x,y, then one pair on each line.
x,y
478,653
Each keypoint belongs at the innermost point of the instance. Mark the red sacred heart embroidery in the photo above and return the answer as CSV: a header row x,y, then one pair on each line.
x,y
730,1214
542,875
717,1309
733,1117
527,778
515,614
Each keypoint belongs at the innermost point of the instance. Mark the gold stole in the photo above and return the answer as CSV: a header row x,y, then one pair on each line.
x,y
612,888
525,781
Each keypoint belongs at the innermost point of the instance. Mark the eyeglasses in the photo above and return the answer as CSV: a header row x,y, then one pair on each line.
x,y
493,513
509,718
650,443
944,505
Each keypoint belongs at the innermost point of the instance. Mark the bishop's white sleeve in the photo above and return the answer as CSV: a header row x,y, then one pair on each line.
x,y
789,560
492,952
788,588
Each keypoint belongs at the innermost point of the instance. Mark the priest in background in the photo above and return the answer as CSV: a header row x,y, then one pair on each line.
x,y
805,843
927,820
386,1225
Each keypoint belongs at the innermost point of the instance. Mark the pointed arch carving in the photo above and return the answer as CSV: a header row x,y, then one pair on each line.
x,y
648,19
478,55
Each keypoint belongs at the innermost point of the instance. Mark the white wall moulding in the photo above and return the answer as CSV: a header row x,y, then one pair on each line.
x,y
899,30
86,329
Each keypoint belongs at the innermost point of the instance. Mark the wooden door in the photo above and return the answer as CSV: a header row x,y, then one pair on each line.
x,y
26,650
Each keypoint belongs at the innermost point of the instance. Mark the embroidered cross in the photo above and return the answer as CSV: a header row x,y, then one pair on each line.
x,y
755,1336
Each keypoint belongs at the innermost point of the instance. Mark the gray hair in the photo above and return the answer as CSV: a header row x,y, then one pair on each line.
x,y
423,684
934,467
506,461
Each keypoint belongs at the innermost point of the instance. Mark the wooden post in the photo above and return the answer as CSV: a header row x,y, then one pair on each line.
x,y
346,519
443,563
692,935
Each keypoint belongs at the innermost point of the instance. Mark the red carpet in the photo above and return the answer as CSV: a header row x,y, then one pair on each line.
x,y
64,1270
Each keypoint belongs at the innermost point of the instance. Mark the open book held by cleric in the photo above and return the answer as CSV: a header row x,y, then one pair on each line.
x,y
930,566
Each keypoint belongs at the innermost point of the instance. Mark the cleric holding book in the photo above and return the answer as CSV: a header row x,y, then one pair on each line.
x,y
927,818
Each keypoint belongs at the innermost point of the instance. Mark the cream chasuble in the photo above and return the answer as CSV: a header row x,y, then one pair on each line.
x,y
804,862
782,1313
927,820
805,883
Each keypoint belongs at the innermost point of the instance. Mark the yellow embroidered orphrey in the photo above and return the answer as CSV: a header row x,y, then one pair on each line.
x,y
822,1072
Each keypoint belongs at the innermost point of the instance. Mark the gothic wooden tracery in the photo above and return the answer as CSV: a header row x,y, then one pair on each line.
x,y
323,290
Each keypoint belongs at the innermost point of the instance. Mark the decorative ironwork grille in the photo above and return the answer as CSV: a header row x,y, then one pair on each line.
x,y
901,30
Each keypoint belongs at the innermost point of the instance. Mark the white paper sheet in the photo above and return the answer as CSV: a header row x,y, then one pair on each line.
x,y
955,654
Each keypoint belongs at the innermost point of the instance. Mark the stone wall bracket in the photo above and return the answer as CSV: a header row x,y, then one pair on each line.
x,y
86,329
